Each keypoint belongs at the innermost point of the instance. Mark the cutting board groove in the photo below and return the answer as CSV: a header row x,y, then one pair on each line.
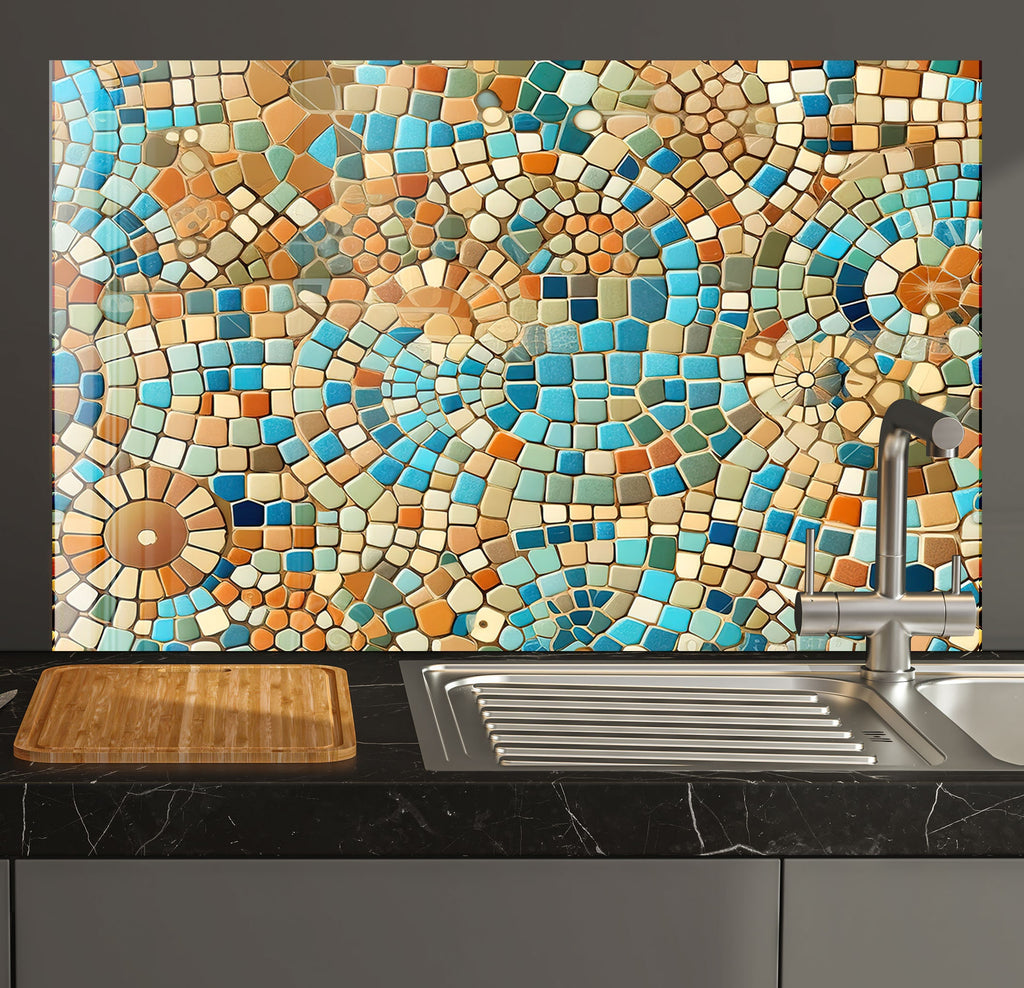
x,y
188,713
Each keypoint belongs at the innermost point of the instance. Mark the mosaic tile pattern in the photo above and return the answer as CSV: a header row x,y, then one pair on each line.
x,y
479,355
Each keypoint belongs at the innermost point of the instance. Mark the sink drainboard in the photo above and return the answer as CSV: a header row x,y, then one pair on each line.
x,y
596,726
523,714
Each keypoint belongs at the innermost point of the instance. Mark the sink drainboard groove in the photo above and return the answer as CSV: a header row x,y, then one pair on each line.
x,y
597,726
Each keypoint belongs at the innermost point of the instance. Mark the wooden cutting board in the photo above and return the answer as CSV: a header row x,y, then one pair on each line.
x,y
188,713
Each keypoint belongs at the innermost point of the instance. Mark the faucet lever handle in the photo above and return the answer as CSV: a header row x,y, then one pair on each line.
x,y
956,566
810,537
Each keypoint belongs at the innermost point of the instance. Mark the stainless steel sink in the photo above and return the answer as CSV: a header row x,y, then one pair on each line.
x,y
990,710
523,714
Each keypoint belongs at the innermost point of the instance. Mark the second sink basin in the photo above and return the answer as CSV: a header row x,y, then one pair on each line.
x,y
990,710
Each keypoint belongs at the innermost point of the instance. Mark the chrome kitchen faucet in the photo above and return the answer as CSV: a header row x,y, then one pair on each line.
x,y
889,616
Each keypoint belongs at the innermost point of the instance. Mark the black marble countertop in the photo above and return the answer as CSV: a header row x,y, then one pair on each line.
x,y
385,804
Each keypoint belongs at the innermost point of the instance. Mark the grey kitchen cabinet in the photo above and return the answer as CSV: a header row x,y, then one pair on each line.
x,y
901,922
397,923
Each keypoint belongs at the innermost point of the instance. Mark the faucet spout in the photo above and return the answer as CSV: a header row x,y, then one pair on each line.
x,y
903,421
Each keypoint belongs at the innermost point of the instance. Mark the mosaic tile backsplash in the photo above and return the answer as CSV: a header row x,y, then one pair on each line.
x,y
517,355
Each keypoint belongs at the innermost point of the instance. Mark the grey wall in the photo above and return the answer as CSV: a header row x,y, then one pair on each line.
x,y
789,29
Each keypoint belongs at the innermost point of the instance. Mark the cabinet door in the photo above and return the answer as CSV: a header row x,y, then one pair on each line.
x,y
397,924
5,924
934,923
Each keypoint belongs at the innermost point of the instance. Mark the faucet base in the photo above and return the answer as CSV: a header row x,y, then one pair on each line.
x,y
887,676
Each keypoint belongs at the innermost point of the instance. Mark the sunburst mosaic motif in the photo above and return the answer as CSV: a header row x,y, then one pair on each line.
x,y
502,355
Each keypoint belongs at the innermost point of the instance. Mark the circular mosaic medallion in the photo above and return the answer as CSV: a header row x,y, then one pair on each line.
x,y
145,534
396,392
900,259
814,381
